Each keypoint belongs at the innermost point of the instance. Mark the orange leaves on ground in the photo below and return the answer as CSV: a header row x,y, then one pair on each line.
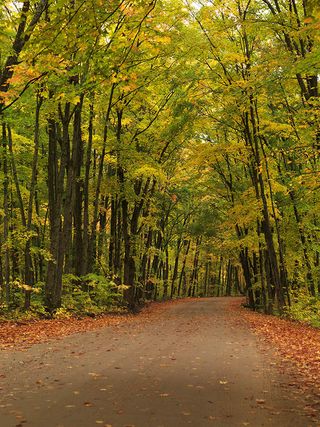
x,y
27,333
297,344
298,348
31,332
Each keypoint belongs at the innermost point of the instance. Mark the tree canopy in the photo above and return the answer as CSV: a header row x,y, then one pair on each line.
x,y
159,149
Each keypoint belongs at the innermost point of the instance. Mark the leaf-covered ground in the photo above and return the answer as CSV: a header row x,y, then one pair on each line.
x,y
23,334
196,362
298,346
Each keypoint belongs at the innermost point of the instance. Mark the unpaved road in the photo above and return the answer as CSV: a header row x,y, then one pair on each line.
x,y
196,364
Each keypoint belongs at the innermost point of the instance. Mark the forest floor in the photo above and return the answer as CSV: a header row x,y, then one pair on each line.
x,y
193,362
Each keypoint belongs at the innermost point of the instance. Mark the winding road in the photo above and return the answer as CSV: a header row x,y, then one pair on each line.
x,y
197,364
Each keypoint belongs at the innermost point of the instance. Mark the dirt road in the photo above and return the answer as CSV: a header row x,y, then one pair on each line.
x,y
196,364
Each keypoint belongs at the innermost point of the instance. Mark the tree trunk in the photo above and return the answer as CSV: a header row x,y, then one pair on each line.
x,y
85,247
77,188
182,273
58,234
176,267
93,239
6,214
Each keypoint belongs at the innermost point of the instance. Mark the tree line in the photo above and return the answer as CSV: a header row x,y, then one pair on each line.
x,y
159,149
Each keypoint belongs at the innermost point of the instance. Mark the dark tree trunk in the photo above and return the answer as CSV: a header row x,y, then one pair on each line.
x,y
113,235
102,227
146,259
229,279
176,267
85,246
244,261
182,273
6,214
59,231
29,272
194,274
166,275
93,238
77,190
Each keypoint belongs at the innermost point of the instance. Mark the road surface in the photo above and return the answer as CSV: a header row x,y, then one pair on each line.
x,y
195,364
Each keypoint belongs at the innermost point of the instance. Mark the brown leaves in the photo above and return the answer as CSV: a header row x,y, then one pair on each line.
x,y
25,334
296,343
298,346
28,333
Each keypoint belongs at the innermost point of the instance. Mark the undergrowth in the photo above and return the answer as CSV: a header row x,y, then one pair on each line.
x,y
89,295
304,308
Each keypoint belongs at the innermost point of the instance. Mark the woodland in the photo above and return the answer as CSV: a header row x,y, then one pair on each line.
x,y
159,149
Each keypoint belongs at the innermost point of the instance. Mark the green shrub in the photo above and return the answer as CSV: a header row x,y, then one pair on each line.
x,y
92,294
304,307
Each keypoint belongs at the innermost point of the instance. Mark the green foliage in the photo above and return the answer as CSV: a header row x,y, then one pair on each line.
x,y
304,307
134,153
90,294
15,310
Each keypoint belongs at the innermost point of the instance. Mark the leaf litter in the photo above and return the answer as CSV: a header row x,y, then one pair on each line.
x,y
21,335
298,346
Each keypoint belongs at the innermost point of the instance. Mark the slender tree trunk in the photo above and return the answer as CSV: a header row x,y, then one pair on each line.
x,y
176,267
146,259
77,191
182,273
102,227
166,275
93,239
6,214
229,279
113,234
85,247
158,247
28,268
193,279
15,178
253,139
58,235
66,189
29,272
